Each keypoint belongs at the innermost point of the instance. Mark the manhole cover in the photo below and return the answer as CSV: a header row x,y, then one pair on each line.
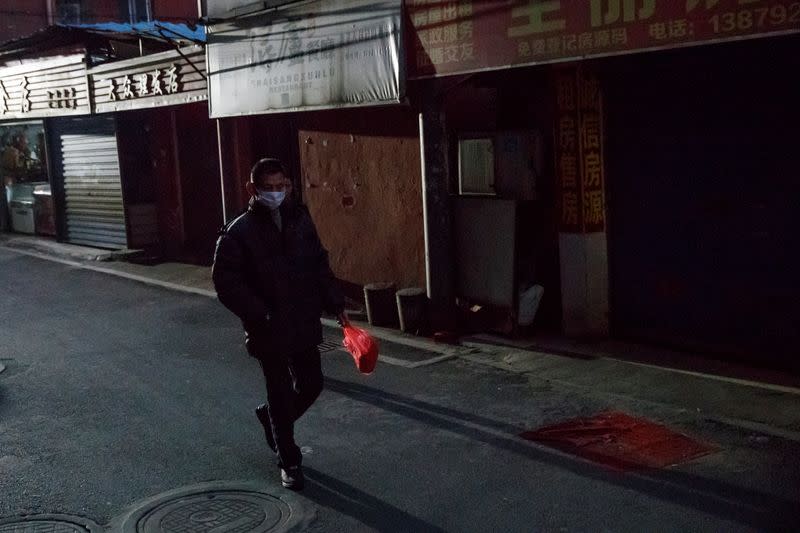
x,y
47,524
216,508
232,512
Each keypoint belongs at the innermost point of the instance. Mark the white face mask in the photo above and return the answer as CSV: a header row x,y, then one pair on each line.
x,y
270,199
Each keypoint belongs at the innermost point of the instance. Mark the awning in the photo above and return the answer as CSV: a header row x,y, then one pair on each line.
x,y
155,29
58,87
100,40
314,55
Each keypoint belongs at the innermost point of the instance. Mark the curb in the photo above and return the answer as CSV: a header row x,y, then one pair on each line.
x,y
100,256
525,363
420,343
113,272
469,352
445,352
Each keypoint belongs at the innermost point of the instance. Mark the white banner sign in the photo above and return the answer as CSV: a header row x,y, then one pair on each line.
x,y
324,54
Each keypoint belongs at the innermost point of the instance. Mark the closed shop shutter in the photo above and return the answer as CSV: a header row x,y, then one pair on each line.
x,y
703,195
93,205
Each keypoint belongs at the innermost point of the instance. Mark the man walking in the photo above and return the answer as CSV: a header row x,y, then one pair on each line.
x,y
271,270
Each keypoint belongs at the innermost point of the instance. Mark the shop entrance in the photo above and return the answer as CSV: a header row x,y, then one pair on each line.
x,y
86,164
25,201
703,187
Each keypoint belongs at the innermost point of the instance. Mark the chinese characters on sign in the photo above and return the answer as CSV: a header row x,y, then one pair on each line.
x,y
591,149
579,151
65,86
4,99
62,98
567,150
156,83
502,33
26,96
444,31
310,55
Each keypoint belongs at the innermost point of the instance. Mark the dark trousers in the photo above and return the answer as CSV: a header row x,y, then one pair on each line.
x,y
293,384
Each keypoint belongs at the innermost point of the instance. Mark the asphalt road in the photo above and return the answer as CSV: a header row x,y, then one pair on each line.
x,y
116,391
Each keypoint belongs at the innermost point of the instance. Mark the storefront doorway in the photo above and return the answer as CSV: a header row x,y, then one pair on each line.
x,y
87,181
23,176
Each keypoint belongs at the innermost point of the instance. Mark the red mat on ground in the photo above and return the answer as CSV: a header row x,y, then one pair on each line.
x,y
621,441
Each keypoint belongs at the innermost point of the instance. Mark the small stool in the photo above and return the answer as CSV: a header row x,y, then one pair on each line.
x,y
411,306
380,303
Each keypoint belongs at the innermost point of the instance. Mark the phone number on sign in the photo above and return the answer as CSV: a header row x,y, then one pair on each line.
x,y
763,17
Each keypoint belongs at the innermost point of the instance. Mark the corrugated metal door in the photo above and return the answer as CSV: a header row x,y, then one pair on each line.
x,y
93,207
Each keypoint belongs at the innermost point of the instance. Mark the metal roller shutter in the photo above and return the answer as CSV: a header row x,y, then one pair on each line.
x,y
94,210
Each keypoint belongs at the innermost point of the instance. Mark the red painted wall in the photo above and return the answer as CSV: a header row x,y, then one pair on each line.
x,y
103,11
21,18
175,10
199,181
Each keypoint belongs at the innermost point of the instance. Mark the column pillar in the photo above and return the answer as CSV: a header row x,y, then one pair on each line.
x,y
439,268
581,197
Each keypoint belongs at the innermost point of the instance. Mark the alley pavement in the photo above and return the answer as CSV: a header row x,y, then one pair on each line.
x,y
115,391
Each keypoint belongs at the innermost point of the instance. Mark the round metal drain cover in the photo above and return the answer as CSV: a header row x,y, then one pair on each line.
x,y
48,524
232,512
217,508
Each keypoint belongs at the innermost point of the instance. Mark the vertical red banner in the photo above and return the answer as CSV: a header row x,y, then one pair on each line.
x,y
590,110
567,150
578,144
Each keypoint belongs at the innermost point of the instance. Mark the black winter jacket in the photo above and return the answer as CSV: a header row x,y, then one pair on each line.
x,y
277,282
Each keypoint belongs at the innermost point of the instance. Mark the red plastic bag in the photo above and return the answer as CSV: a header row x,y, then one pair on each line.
x,y
362,346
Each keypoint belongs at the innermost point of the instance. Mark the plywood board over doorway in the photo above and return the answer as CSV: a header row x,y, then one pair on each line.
x,y
363,188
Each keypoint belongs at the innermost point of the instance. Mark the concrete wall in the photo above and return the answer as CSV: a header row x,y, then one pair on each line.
x,y
360,173
584,284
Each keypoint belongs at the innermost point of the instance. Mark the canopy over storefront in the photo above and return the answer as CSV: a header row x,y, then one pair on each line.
x,y
102,42
98,68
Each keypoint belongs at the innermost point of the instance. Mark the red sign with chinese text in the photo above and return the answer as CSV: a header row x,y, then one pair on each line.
x,y
467,36
590,112
567,150
578,151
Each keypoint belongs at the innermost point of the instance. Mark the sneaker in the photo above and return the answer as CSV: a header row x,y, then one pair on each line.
x,y
263,417
292,478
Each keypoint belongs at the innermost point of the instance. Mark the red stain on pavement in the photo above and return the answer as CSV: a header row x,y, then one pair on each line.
x,y
621,441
